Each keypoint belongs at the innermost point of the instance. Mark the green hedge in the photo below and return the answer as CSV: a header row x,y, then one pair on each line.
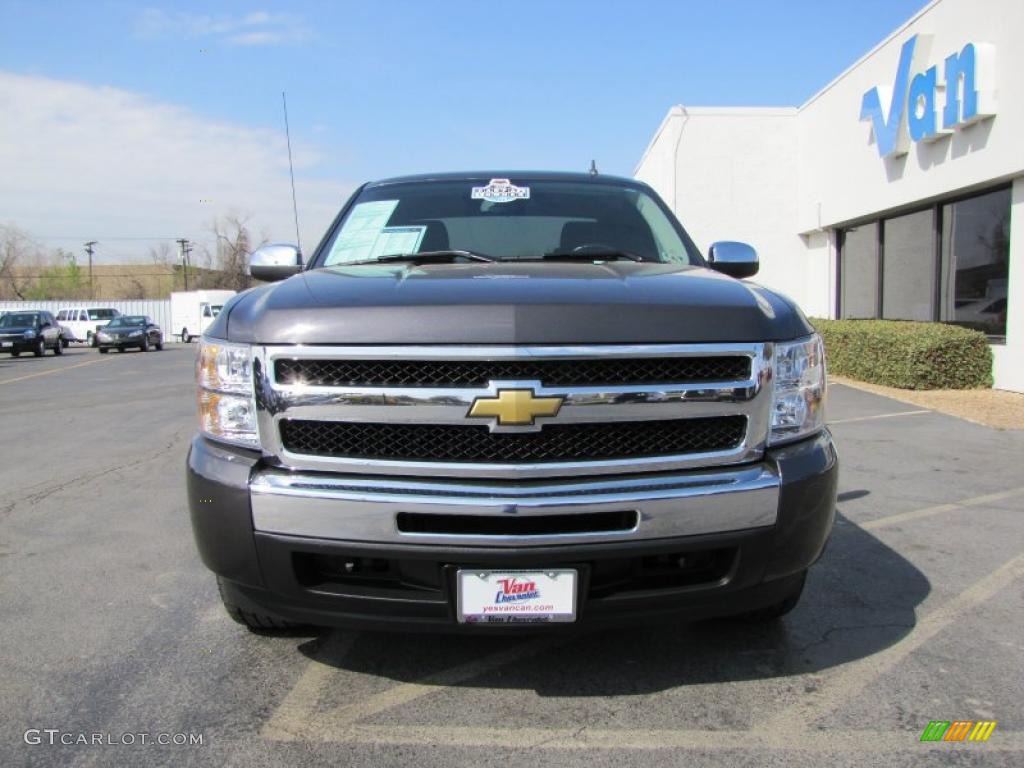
x,y
907,355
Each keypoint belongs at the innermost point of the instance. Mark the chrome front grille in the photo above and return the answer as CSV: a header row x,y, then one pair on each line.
x,y
406,410
477,373
477,444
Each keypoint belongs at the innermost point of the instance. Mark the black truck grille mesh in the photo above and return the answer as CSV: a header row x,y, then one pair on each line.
x,y
476,444
477,373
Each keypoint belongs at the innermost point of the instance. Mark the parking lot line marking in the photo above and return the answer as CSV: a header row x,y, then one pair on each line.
x,y
647,739
975,501
878,416
303,698
854,677
300,720
56,370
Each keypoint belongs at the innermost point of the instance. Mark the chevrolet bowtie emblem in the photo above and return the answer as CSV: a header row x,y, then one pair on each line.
x,y
515,407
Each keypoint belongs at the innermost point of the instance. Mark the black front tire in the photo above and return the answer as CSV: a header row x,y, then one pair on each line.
x,y
249,616
91,338
58,349
103,350
39,349
15,352
160,346
144,347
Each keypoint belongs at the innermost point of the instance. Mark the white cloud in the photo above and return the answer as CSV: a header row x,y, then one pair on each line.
x,y
95,161
254,28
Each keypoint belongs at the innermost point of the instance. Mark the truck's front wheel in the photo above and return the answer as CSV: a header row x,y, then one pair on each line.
x,y
249,615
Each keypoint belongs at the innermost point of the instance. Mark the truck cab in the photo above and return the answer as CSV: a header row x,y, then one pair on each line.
x,y
504,401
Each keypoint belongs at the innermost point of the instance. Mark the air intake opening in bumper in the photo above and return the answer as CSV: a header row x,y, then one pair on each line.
x,y
517,525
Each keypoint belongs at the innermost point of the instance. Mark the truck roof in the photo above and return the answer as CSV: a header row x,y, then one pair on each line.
x,y
517,175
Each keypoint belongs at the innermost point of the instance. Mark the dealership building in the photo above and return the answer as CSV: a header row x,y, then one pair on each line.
x,y
897,191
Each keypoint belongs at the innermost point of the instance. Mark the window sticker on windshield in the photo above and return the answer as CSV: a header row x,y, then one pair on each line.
x,y
358,237
500,191
394,240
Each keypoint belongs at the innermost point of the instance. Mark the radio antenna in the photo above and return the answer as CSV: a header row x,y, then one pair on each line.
x,y
291,170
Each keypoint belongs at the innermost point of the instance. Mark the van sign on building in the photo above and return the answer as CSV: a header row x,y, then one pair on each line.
x,y
914,212
915,98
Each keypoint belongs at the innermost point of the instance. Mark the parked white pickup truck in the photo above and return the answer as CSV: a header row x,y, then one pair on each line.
x,y
82,323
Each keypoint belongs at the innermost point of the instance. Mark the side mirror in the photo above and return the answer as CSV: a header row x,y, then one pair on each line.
x,y
275,261
732,258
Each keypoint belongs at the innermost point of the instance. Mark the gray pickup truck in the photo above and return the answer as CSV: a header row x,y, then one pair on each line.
x,y
492,401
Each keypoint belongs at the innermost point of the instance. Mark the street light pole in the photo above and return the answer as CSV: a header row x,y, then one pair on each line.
x,y
88,250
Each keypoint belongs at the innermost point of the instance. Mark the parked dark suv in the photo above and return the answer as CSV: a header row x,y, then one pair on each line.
x,y
32,331
502,401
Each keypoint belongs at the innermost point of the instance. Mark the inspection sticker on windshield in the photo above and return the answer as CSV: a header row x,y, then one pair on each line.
x,y
516,597
500,191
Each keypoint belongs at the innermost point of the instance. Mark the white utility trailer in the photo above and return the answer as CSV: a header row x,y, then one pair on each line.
x,y
193,311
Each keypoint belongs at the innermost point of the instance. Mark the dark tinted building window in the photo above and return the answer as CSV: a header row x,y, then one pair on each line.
x,y
976,261
908,267
859,280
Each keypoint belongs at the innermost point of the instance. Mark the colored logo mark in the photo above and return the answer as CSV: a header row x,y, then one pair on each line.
x,y
517,407
513,590
958,730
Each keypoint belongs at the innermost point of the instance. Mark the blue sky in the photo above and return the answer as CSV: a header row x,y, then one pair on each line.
x,y
374,89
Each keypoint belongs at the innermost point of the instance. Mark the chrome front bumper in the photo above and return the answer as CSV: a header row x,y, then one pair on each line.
x,y
365,509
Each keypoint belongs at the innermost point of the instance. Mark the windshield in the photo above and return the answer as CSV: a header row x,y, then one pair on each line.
x,y
18,320
508,219
126,320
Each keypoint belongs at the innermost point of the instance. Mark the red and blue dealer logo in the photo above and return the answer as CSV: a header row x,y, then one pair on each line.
x,y
513,590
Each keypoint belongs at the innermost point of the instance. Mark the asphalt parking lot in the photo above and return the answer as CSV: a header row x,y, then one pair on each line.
x,y
109,623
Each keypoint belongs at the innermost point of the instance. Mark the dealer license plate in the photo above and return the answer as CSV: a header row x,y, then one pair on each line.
x,y
516,597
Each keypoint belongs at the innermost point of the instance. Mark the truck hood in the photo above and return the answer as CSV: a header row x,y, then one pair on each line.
x,y
510,303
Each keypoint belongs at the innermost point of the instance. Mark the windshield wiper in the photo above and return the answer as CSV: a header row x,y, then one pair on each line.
x,y
594,254
424,257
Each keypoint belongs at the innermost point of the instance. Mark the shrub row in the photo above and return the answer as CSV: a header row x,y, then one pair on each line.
x,y
907,355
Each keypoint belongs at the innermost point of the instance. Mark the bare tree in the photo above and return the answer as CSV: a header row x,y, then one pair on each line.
x,y
164,258
162,255
20,255
234,243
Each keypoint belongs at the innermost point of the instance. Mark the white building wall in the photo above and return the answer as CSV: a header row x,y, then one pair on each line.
x,y
785,180
1008,363
729,174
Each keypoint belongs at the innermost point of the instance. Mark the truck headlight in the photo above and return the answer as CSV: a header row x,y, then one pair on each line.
x,y
103,336
798,405
29,334
227,400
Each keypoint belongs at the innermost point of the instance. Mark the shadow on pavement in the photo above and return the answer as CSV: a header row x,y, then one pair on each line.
x,y
860,599
851,495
